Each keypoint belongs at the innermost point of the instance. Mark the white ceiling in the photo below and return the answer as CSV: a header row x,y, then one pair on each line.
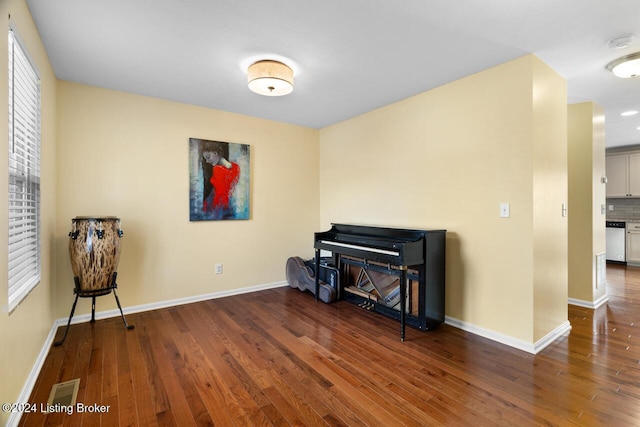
x,y
349,56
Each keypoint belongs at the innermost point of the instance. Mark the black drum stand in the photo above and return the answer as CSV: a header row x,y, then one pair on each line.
x,y
93,293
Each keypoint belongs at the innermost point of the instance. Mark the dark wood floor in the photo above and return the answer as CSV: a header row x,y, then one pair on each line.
x,y
279,358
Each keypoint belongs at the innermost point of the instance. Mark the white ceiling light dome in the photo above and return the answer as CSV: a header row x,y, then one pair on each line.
x,y
270,78
626,67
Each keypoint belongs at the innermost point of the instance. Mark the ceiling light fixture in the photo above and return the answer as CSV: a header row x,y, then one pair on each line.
x,y
626,67
270,78
629,113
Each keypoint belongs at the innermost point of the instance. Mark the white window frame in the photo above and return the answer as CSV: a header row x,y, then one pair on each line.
x,y
24,264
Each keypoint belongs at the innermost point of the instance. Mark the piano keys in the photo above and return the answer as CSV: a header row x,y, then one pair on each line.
x,y
413,256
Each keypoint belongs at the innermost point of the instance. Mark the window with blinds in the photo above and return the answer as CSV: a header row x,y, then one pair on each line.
x,y
24,173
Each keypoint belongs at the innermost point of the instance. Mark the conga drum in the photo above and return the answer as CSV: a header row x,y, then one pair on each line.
x,y
94,248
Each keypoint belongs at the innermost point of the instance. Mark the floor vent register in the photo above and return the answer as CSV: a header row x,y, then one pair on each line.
x,y
64,394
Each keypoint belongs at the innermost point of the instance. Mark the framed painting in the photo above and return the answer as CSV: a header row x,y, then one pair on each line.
x,y
218,180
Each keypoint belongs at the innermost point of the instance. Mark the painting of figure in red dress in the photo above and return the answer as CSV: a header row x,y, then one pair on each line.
x,y
218,180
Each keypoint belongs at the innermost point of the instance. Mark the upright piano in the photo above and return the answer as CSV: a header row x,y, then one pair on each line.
x,y
415,257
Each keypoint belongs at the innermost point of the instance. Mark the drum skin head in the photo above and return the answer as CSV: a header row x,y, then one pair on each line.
x,y
95,218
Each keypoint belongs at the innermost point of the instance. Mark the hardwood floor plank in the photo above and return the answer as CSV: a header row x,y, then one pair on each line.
x,y
94,386
277,357
81,371
417,369
110,376
144,401
213,341
290,409
342,383
216,396
194,399
127,403
382,374
326,385
174,409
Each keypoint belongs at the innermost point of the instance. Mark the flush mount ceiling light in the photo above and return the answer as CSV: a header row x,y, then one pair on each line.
x,y
629,113
626,67
270,78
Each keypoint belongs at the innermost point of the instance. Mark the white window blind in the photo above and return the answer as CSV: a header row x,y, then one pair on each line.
x,y
24,174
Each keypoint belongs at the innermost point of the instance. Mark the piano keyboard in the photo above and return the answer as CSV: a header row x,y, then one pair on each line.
x,y
362,248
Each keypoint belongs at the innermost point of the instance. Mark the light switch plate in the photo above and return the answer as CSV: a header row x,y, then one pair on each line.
x,y
505,211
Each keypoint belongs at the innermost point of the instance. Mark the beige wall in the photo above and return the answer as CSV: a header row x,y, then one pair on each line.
x,y
127,155
550,193
447,158
586,141
23,331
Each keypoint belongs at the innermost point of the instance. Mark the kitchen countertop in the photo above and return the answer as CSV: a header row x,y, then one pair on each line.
x,y
624,219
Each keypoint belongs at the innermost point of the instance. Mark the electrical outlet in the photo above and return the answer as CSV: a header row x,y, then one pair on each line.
x,y
218,268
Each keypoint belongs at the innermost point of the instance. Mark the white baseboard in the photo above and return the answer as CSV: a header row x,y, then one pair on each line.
x,y
168,303
563,329
532,348
14,418
588,304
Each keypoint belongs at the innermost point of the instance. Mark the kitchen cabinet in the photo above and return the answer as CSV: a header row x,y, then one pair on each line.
x,y
633,244
623,175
